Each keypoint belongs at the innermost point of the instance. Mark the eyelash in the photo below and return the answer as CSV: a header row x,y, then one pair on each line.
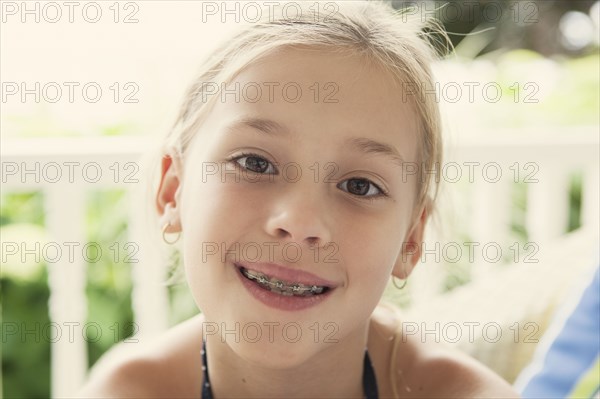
x,y
249,155
382,192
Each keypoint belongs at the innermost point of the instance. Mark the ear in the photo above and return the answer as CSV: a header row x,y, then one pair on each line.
x,y
169,189
411,247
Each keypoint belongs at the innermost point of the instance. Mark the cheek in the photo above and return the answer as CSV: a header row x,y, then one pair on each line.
x,y
212,207
370,251
215,213
208,216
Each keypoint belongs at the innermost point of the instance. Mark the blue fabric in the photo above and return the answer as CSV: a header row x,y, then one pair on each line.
x,y
573,351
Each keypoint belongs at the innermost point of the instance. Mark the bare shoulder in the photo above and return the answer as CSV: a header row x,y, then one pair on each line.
x,y
122,374
165,366
450,373
416,369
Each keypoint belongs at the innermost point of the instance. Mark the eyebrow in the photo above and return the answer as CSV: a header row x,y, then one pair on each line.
x,y
361,144
369,146
267,126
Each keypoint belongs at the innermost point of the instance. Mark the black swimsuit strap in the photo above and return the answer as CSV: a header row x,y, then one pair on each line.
x,y
206,390
369,381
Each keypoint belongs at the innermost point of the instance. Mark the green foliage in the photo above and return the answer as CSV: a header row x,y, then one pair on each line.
x,y
25,295
22,208
109,280
575,202
519,209
536,91
180,297
25,356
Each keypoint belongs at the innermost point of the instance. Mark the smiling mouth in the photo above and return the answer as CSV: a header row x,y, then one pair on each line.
x,y
283,287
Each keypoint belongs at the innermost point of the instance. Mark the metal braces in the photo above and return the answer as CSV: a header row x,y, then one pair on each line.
x,y
296,288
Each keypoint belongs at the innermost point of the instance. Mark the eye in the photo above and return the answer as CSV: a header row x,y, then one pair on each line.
x,y
254,163
362,187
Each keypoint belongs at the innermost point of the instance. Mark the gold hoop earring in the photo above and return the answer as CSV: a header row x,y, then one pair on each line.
x,y
164,235
396,285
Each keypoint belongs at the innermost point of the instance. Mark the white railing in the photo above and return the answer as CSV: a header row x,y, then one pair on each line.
x,y
550,158
64,170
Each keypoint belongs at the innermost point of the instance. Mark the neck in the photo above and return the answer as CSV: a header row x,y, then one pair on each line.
x,y
334,371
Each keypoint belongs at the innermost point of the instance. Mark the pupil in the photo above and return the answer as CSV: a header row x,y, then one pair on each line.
x,y
358,186
256,164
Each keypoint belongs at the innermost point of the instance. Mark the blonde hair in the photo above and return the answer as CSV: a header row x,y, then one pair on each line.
x,y
373,29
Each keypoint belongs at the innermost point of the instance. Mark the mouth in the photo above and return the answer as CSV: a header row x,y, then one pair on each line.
x,y
282,287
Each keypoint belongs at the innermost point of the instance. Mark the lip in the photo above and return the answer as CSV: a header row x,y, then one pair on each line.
x,y
278,301
286,274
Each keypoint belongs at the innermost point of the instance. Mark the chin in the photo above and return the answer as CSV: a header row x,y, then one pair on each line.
x,y
279,354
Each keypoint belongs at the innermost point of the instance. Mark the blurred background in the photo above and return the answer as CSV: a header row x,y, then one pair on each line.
x,y
534,70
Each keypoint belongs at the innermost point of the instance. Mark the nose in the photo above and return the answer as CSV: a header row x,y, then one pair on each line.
x,y
300,215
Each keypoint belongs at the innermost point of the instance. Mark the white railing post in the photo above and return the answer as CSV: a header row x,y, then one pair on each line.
x,y
65,216
590,215
548,203
490,220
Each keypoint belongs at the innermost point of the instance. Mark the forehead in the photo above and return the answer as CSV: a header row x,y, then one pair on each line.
x,y
318,94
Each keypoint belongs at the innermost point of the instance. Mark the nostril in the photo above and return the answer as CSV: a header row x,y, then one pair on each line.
x,y
282,233
312,241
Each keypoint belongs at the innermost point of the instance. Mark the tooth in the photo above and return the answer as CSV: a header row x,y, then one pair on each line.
x,y
280,287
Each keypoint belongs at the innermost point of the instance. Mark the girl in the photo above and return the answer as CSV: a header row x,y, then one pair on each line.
x,y
286,178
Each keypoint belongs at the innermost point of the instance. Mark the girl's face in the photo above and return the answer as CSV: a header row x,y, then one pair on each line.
x,y
299,164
